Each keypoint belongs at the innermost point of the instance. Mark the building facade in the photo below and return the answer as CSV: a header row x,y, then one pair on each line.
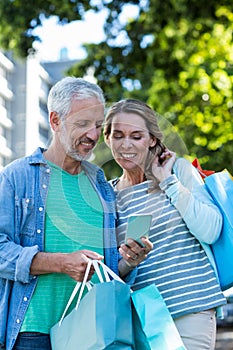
x,y
6,98
24,88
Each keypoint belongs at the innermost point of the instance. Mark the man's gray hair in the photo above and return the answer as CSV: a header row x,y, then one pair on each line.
x,y
68,89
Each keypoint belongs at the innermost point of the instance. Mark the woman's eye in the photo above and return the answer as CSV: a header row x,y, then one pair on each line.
x,y
136,136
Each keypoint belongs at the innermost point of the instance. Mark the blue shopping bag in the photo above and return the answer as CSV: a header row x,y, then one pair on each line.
x,y
220,187
101,320
153,325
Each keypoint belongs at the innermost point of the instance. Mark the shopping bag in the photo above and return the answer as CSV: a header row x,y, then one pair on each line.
x,y
201,171
154,328
220,187
102,319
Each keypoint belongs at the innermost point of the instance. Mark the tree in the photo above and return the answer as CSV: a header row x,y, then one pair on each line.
x,y
175,55
198,100
19,18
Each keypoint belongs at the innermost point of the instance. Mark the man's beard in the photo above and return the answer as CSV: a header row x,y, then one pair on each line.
x,y
71,152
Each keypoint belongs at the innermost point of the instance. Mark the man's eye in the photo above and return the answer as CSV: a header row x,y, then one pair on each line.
x,y
99,125
80,124
117,136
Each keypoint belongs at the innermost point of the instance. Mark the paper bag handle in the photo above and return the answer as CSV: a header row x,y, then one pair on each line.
x,y
96,264
106,270
76,289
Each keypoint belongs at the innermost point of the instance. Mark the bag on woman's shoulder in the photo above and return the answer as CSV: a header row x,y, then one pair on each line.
x,y
220,187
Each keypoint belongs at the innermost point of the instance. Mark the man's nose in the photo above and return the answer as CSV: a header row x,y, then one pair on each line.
x,y
93,133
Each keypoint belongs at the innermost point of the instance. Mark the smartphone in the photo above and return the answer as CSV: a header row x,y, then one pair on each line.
x,y
138,226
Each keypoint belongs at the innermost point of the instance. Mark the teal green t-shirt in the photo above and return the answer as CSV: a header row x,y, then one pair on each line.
x,y
73,221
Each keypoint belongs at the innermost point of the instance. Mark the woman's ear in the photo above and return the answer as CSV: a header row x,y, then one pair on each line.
x,y
106,140
153,141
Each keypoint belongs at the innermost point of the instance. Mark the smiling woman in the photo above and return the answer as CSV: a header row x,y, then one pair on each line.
x,y
155,181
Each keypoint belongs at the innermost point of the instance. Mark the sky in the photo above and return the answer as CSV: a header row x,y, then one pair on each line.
x,y
55,37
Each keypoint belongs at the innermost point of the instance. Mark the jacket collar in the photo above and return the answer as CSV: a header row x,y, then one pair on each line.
x,y
38,158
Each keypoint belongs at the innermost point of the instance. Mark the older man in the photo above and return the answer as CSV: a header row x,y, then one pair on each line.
x,y
57,212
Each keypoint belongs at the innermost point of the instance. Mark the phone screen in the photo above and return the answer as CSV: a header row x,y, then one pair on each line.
x,y
138,226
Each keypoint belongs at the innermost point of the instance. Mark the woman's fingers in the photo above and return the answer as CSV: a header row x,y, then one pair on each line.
x,y
133,252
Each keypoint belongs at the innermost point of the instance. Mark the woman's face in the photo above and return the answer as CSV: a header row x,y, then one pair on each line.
x,y
129,141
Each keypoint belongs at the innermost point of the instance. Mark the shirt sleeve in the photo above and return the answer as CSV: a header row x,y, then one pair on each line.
x,y
15,260
186,191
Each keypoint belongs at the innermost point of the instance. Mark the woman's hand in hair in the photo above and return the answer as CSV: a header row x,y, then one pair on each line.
x,y
163,164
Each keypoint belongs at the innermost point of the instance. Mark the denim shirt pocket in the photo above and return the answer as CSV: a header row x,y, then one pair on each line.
x,y
25,218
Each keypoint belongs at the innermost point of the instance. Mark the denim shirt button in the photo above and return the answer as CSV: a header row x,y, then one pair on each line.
x,y
47,170
25,299
18,320
44,186
40,209
27,200
38,231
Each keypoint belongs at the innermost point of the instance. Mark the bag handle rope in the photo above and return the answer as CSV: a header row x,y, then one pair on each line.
x,y
81,285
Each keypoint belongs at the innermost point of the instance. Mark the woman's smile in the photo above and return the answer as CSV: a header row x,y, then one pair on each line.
x,y
128,155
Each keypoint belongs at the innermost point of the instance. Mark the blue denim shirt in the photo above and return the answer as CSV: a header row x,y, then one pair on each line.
x,y
23,191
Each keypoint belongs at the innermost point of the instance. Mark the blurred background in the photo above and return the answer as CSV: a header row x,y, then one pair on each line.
x,y
176,55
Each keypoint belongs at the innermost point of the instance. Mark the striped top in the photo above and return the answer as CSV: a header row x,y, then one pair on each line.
x,y
178,264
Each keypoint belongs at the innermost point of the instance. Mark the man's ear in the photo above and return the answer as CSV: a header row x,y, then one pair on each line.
x,y
55,121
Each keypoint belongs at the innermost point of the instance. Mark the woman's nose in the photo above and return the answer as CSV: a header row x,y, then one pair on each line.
x,y
126,143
